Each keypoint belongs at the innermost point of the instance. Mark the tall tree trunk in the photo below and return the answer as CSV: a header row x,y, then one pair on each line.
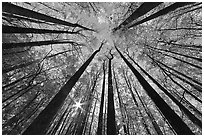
x,y
185,90
92,117
88,108
100,117
142,10
14,9
195,58
23,65
187,77
198,88
9,15
153,121
183,61
41,123
36,43
176,122
111,123
105,118
11,122
12,29
162,12
197,47
183,108
120,105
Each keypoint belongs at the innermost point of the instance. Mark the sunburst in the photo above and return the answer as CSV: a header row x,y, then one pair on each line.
x,y
78,105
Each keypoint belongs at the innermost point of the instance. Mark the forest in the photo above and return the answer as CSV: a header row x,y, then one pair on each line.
x,y
101,68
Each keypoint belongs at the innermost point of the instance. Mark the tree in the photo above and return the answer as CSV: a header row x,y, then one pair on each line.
x,y
166,110
54,68
111,123
43,120
100,117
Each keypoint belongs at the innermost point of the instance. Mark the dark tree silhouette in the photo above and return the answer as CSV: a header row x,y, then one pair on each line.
x,y
111,123
100,117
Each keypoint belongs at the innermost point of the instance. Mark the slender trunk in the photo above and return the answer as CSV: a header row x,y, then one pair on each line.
x,y
15,118
105,119
179,96
187,77
20,93
198,88
120,105
23,65
153,121
100,117
25,77
183,61
185,90
198,59
14,9
176,122
179,29
36,43
12,29
14,52
111,123
54,129
41,123
21,18
93,114
162,12
140,113
183,108
88,108
64,123
190,47
142,10
27,117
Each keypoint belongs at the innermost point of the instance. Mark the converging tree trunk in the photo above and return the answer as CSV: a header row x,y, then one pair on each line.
x,y
153,121
161,12
41,123
14,9
36,43
183,108
121,106
176,122
143,9
111,123
12,29
100,117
